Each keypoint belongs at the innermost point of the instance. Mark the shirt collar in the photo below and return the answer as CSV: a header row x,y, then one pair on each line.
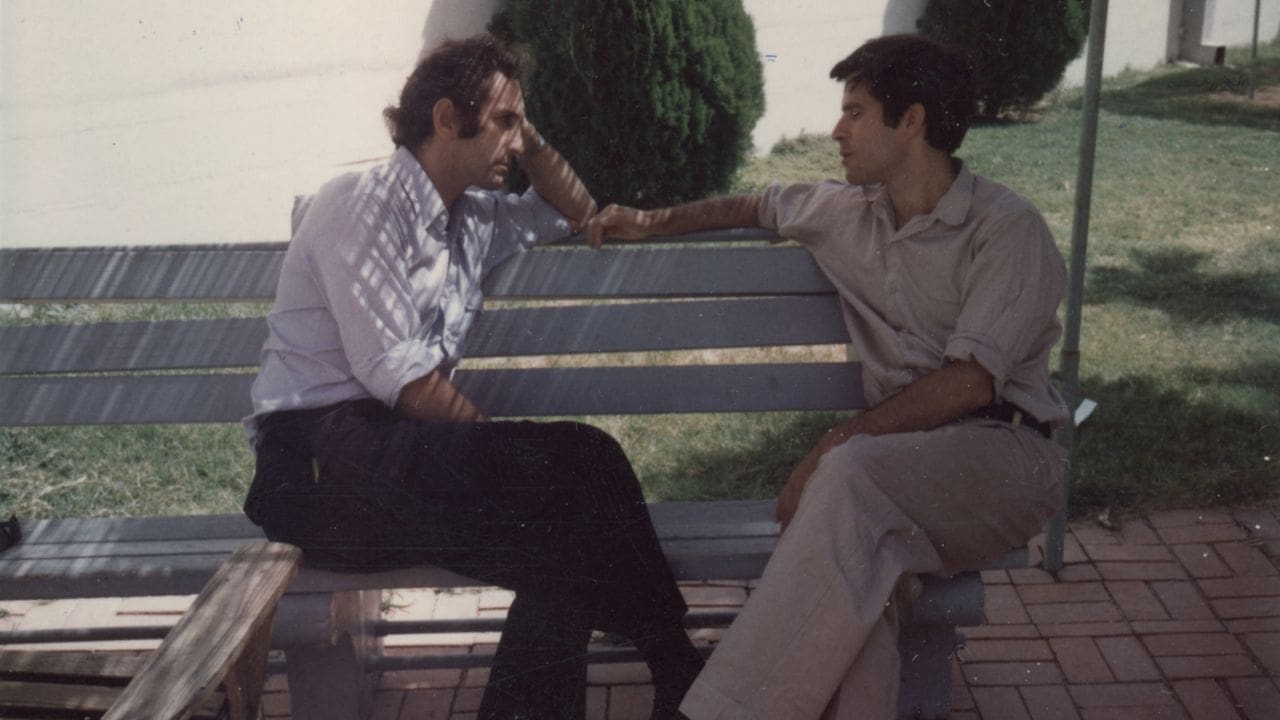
x,y
953,207
427,204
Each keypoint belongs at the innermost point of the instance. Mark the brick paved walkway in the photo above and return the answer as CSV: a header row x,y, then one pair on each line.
x,y
1175,615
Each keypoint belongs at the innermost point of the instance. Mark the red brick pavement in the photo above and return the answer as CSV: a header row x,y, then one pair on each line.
x,y
1136,626
1172,615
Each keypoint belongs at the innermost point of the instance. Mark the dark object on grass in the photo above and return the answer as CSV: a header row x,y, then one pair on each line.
x,y
10,533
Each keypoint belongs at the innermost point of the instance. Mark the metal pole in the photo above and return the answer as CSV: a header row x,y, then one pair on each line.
x,y
1253,57
1070,354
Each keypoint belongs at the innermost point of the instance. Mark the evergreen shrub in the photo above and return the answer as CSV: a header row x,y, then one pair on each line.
x,y
653,101
1019,48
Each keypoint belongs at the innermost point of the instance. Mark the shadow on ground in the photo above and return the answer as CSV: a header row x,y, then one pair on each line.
x,y
1206,96
757,470
1173,280
1147,444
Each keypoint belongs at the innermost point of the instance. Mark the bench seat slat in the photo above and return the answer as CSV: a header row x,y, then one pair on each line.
x,y
46,697
117,667
500,332
533,392
168,574
174,274
84,699
672,519
98,550
164,555
162,547
171,528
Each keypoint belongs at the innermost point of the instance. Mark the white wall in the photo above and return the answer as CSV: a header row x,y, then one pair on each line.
x,y
1230,22
152,121
798,44
1137,38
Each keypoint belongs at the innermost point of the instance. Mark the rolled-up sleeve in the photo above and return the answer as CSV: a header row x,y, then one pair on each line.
x,y
791,210
361,267
1010,296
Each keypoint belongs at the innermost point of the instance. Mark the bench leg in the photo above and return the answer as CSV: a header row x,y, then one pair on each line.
x,y
927,652
244,682
328,639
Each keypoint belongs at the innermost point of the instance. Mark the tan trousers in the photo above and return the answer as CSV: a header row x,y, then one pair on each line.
x,y
818,637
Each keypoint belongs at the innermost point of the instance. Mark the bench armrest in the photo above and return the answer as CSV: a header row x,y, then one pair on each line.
x,y
221,637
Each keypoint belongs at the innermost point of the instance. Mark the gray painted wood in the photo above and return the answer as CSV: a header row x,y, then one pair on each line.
x,y
672,519
24,552
641,327
670,271
73,538
676,389
124,400
14,663
501,332
135,273
535,392
66,531
103,557
234,274
927,652
136,346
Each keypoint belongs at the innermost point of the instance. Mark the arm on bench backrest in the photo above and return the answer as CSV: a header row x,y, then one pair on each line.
x,y
222,637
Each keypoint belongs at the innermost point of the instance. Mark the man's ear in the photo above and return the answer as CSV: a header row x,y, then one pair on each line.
x,y
444,117
912,120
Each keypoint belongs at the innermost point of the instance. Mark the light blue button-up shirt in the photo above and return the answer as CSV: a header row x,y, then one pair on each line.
x,y
381,284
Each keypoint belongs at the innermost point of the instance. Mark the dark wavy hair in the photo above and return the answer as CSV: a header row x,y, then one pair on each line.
x,y
900,70
458,70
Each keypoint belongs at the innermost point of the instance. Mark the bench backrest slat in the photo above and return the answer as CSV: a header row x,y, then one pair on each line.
x,y
530,392
500,332
658,271
120,274
231,274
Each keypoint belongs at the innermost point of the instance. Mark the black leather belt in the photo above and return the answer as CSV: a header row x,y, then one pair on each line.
x,y
1014,415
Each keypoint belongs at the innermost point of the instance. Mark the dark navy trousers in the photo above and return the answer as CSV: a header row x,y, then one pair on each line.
x,y
551,511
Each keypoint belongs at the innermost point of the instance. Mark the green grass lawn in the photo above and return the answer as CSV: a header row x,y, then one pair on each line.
x,y
1180,342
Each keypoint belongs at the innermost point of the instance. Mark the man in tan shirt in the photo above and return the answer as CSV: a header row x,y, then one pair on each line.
x,y
950,285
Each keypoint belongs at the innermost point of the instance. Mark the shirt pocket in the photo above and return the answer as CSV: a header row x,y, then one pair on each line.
x,y
931,275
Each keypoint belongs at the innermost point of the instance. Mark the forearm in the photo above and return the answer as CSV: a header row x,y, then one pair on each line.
x,y
733,211
953,391
555,180
944,395
432,398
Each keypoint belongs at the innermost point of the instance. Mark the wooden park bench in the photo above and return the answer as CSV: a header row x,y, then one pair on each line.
x,y
717,291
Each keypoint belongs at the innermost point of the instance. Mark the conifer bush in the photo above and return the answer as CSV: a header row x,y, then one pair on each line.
x,y
653,101
1019,48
